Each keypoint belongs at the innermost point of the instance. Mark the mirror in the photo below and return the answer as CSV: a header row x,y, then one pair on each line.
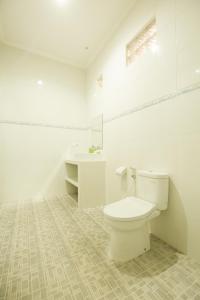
x,y
96,132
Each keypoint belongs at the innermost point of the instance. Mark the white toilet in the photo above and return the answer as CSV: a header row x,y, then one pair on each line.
x,y
128,218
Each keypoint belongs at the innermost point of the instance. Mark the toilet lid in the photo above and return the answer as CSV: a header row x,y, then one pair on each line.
x,y
128,209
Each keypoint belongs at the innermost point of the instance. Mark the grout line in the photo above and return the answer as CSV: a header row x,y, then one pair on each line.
x,y
12,246
65,243
22,123
39,245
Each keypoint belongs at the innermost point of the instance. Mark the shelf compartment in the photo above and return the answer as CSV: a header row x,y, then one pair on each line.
x,y
72,191
72,172
73,197
73,181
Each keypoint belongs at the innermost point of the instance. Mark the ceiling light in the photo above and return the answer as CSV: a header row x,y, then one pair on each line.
x,y
61,2
197,71
40,82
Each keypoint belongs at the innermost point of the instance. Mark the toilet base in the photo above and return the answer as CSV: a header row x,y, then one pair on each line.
x,y
126,245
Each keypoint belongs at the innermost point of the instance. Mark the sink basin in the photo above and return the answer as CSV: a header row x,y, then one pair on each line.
x,y
87,156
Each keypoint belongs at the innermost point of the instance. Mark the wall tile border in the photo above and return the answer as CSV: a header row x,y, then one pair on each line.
x,y
157,101
46,125
125,113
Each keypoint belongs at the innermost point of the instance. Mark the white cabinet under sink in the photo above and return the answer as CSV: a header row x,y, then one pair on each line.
x,y
85,182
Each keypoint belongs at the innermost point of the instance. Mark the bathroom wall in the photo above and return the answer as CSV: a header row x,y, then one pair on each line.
x,y
151,113
1,33
38,123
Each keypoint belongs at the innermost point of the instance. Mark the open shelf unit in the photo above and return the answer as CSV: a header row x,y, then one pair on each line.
x,y
85,182
72,180
72,191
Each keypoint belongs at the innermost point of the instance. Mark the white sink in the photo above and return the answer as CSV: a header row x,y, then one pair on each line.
x,y
87,156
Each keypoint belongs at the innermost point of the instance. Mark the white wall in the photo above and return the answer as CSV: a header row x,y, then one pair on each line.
x,y
163,134
33,141
1,33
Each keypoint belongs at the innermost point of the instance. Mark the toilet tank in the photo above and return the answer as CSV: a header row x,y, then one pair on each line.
x,y
153,187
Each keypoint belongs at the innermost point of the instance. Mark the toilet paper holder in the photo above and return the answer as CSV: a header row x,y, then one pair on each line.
x,y
121,171
133,172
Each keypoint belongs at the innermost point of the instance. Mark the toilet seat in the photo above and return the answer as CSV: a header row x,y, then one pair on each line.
x,y
129,209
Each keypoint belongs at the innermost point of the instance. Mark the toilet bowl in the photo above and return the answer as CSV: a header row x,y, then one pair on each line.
x,y
128,219
128,223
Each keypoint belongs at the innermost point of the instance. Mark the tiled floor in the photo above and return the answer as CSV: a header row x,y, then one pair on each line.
x,y
52,250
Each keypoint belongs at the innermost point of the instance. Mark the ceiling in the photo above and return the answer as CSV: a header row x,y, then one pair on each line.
x,y
70,31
